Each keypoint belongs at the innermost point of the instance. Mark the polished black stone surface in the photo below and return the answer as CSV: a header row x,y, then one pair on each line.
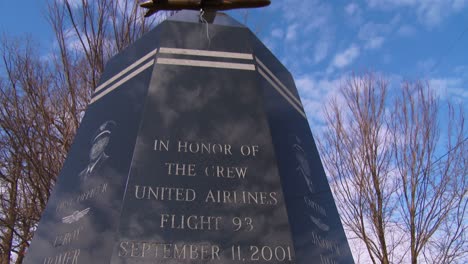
x,y
195,149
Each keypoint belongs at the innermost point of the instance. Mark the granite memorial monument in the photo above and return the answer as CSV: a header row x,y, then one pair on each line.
x,y
194,149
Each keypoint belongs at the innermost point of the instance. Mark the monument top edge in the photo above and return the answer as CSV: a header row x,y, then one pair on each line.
x,y
192,16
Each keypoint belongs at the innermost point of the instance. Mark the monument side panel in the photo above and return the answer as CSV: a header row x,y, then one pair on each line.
x,y
315,224
81,216
204,186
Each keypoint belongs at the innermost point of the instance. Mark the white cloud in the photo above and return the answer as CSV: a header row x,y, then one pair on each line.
x,y
390,3
429,12
426,65
430,15
291,32
346,57
72,3
351,9
304,20
72,41
323,45
374,43
311,12
461,71
406,31
353,14
387,58
321,50
270,43
277,33
455,89
459,4
374,34
315,92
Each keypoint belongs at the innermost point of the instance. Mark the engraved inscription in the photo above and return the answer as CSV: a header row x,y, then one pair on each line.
x,y
165,193
226,172
68,257
179,173
330,245
242,197
67,238
205,148
191,222
162,250
314,206
203,251
180,169
87,195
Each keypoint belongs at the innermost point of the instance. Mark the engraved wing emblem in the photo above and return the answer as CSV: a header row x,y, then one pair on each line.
x,y
75,216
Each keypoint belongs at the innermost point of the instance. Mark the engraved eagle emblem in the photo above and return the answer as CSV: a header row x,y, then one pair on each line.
x,y
75,216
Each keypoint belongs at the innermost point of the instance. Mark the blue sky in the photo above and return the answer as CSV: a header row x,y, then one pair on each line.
x,y
322,41
27,17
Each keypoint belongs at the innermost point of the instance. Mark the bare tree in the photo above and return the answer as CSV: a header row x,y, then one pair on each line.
x,y
30,145
96,30
358,157
395,193
432,191
43,99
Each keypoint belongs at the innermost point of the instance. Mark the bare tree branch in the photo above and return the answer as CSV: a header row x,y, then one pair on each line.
x,y
394,191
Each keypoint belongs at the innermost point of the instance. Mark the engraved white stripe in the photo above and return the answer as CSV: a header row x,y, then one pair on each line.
x,y
124,71
128,77
211,64
207,53
279,82
281,92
